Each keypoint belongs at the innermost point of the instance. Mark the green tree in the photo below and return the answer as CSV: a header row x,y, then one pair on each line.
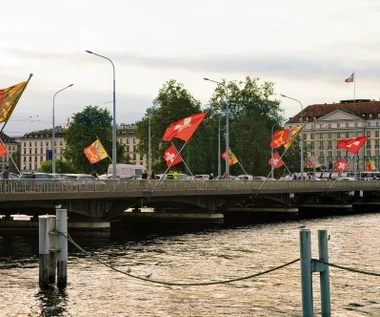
x,y
62,167
252,114
86,126
173,103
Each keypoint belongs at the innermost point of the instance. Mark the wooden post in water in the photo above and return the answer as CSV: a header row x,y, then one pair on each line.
x,y
324,274
62,246
46,225
306,274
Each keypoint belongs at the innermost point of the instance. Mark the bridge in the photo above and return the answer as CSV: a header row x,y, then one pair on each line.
x,y
108,200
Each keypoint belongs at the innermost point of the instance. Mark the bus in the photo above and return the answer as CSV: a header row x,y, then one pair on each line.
x,y
127,170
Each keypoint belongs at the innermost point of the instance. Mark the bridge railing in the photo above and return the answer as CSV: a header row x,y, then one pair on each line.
x,y
196,186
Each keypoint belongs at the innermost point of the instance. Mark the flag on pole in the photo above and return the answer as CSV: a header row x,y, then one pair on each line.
x,y
279,138
352,145
184,128
293,133
9,98
351,78
171,158
370,166
3,150
341,165
231,157
95,152
309,163
275,161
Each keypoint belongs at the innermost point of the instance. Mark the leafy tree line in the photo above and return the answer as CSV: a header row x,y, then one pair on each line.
x,y
253,115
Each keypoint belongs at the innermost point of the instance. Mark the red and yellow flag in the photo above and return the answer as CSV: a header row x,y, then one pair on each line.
x,y
95,152
370,166
3,150
293,133
9,98
279,138
231,157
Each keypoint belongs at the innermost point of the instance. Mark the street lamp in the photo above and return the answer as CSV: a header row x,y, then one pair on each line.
x,y
272,152
227,125
53,131
219,154
149,144
114,154
302,163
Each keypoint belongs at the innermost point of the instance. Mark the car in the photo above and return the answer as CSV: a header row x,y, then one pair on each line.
x,y
259,178
202,177
170,176
245,177
82,181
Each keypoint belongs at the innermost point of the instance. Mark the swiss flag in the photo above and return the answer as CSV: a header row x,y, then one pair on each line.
x,y
275,161
350,79
184,128
341,165
352,145
171,156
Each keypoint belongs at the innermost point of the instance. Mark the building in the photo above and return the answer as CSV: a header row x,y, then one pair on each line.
x,y
326,124
35,147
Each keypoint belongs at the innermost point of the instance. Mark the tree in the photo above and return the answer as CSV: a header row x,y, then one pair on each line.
x,y
63,167
86,126
251,116
173,103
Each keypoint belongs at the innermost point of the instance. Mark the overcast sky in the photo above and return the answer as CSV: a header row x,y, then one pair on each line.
x,y
306,48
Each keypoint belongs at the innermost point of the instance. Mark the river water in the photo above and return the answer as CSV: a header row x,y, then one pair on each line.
x,y
196,256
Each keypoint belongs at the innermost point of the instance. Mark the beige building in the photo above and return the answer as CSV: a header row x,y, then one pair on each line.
x,y
35,146
326,124
11,145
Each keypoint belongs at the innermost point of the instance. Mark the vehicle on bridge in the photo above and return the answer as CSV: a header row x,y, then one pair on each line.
x,y
127,170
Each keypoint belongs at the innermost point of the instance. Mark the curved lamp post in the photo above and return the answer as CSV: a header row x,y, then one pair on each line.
x,y
53,131
227,124
302,163
114,154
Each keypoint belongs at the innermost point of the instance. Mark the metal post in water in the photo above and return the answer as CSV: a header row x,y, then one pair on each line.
x,y
46,225
62,246
306,273
324,275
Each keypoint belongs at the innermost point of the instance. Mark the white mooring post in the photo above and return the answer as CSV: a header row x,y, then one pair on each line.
x,y
306,278
46,226
62,246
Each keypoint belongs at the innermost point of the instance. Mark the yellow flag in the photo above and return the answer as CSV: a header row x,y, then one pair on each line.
x,y
9,98
293,133
95,152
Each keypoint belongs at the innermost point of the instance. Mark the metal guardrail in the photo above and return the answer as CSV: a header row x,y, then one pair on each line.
x,y
196,186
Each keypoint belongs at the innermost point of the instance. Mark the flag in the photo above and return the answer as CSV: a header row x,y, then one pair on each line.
x,y
350,79
279,138
68,122
293,133
184,128
3,150
9,98
370,166
352,145
275,161
309,163
171,158
95,152
341,165
231,157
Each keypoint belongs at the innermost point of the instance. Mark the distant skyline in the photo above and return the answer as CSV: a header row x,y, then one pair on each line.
x,y
306,49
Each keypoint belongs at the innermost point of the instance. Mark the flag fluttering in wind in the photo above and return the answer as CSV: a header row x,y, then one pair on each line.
x,y
184,128
95,152
341,165
279,138
275,161
370,166
231,157
293,133
9,98
352,145
3,150
309,163
171,158
350,79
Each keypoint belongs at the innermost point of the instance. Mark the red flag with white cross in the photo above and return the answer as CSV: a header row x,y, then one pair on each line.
x,y
184,129
171,156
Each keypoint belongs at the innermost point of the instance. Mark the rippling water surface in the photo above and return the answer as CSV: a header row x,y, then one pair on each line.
x,y
196,256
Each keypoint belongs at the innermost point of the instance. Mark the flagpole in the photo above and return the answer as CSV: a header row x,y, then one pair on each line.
x,y
349,161
27,82
181,159
163,176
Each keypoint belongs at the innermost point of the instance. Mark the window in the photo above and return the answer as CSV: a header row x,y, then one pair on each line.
x,y
347,125
339,154
347,135
321,145
377,144
338,125
321,136
368,124
338,135
329,136
329,145
376,133
312,136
